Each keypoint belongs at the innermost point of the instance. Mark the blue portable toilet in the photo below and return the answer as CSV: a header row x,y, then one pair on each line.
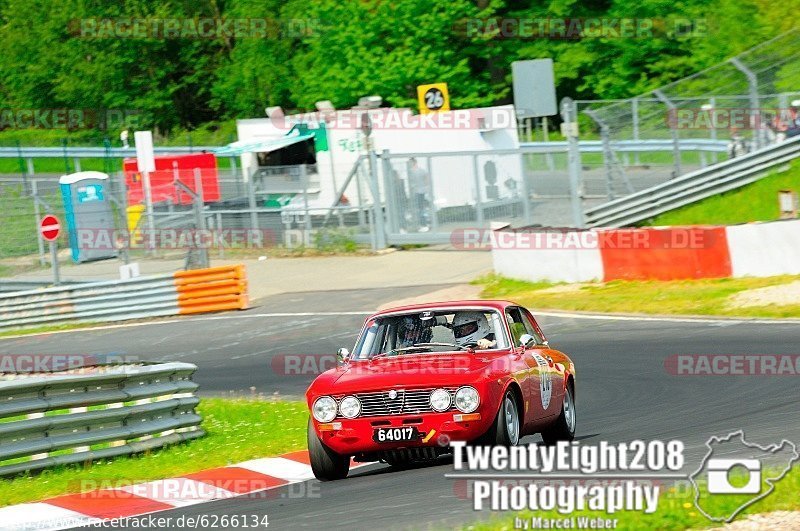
x,y
90,220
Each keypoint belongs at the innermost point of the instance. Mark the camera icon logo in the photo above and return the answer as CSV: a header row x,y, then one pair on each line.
x,y
719,476
735,467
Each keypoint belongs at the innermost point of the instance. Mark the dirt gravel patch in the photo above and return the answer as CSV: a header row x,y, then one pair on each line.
x,y
782,295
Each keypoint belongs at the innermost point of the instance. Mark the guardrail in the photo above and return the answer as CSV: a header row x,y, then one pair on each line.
x,y
91,152
693,186
184,292
83,417
586,146
632,146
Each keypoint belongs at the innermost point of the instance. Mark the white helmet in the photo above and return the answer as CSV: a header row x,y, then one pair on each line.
x,y
469,327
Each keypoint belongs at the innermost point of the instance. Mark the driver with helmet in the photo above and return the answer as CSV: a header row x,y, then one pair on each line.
x,y
412,331
472,328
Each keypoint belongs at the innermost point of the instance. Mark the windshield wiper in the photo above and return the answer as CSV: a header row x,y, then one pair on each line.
x,y
460,347
420,346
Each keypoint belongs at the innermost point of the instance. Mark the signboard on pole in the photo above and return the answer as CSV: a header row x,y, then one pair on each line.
x,y
534,88
50,228
145,157
433,98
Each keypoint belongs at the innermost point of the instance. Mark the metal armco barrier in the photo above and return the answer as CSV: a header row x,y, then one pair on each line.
x,y
185,292
693,186
82,417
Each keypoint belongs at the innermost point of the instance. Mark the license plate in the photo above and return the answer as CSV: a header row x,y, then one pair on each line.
x,y
391,435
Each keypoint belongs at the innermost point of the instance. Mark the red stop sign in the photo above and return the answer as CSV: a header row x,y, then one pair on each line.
x,y
49,227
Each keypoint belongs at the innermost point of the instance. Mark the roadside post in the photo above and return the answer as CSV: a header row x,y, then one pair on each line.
x,y
378,226
569,128
146,163
50,228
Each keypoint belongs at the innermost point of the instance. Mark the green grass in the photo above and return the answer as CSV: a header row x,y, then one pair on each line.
x,y
676,510
43,329
238,430
683,297
755,202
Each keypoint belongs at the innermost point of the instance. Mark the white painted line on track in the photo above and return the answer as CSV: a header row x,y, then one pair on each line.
x,y
563,315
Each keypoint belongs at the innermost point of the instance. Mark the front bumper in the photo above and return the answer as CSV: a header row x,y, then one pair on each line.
x,y
354,436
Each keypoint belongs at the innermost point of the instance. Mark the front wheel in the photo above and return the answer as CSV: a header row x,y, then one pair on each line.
x,y
506,427
326,464
563,429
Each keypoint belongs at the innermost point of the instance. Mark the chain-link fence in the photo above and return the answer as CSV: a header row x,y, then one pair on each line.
x,y
732,108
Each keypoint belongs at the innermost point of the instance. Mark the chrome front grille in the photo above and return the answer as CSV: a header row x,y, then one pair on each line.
x,y
406,402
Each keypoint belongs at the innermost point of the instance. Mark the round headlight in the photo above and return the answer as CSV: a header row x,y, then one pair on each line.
x,y
350,407
324,409
440,400
467,399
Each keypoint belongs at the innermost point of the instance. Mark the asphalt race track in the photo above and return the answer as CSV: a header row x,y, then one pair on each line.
x,y
623,391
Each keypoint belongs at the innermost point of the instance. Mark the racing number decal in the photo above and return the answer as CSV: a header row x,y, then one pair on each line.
x,y
545,381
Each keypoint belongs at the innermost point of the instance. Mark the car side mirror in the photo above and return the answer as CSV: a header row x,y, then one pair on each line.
x,y
526,340
342,355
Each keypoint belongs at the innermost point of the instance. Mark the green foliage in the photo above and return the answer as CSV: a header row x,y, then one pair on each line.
x,y
335,241
56,55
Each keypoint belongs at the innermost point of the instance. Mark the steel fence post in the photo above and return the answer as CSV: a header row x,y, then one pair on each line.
x,y
635,118
477,179
37,214
570,128
377,205
673,130
434,216
200,219
389,184
752,84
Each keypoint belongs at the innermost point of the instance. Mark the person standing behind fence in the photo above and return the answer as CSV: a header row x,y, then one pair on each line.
x,y
401,200
418,184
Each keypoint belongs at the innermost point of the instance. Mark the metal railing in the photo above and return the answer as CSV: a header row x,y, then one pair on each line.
x,y
693,186
153,296
91,152
60,419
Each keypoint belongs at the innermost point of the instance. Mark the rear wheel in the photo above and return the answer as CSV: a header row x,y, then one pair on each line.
x,y
505,430
563,429
326,464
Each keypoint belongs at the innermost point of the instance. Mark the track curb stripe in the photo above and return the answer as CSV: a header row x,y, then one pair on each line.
x,y
72,510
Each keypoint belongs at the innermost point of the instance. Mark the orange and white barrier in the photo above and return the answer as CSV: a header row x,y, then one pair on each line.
x,y
651,253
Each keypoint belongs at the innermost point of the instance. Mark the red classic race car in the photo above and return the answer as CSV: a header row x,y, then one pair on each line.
x,y
421,376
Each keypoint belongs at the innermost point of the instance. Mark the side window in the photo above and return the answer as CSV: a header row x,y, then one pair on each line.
x,y
516,324
533,328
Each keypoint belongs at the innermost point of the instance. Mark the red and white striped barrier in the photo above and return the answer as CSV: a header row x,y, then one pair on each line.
x,y
651,253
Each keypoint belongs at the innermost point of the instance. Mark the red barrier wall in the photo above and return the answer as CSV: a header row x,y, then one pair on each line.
x,y
669,253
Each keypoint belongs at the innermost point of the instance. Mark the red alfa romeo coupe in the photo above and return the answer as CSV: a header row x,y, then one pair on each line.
x,y
422,376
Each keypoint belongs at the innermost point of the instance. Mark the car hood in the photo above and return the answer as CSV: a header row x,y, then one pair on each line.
x,y
410,370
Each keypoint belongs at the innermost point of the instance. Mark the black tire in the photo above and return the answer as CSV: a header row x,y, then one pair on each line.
x,y
326,464
563,429
500,434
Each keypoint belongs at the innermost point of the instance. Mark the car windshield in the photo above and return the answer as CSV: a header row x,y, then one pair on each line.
x,y
430,331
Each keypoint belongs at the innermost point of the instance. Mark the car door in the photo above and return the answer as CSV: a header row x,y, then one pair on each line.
x,y
533,382
551,372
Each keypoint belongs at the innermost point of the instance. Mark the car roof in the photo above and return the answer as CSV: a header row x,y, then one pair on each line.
x,y
478,303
